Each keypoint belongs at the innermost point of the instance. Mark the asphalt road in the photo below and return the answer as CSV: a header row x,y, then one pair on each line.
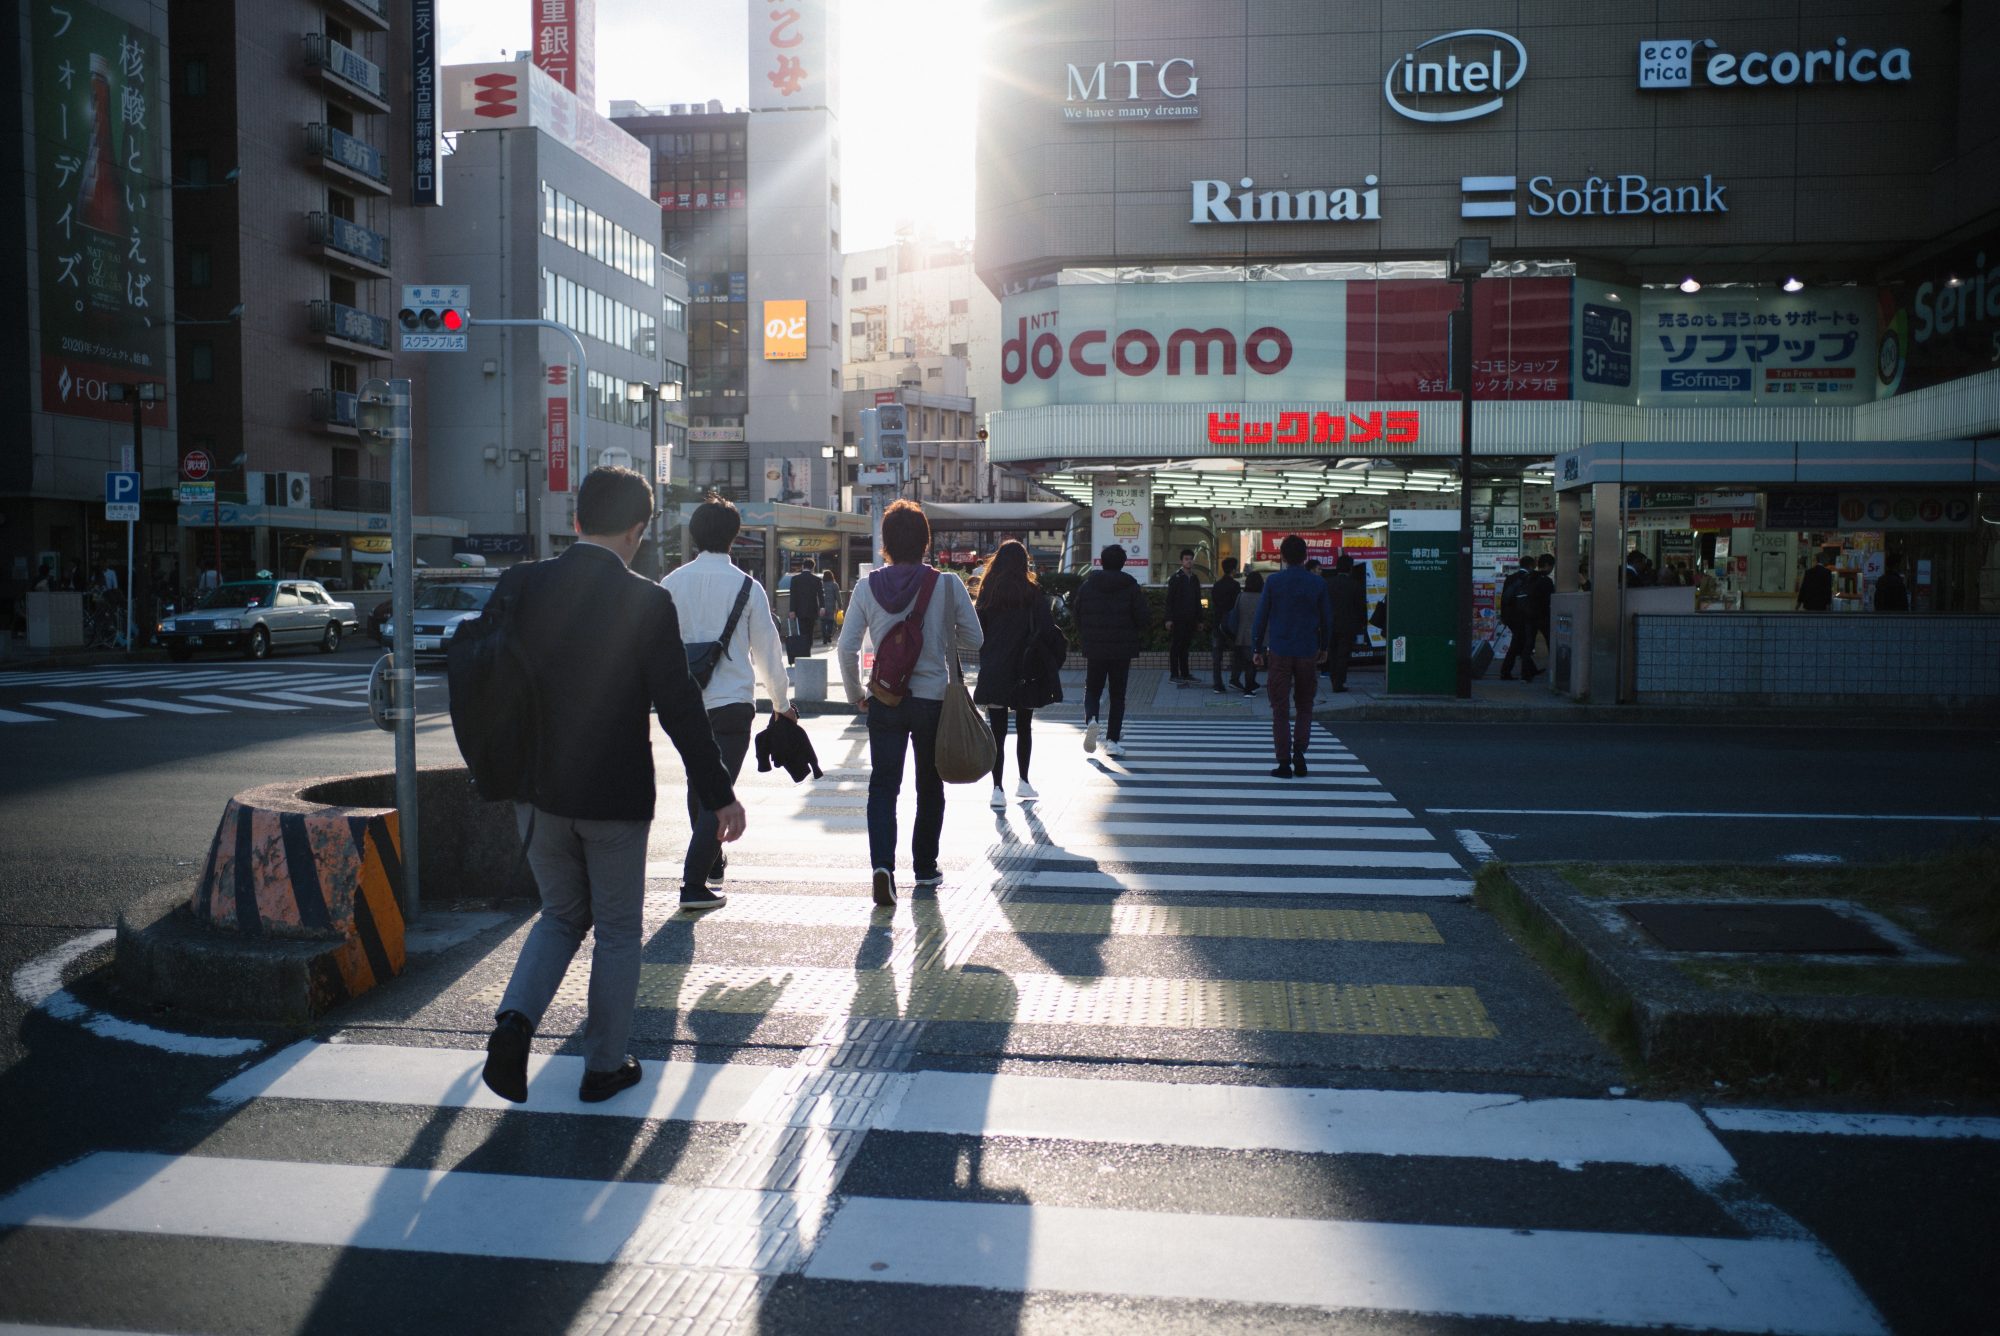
x,y
1041,986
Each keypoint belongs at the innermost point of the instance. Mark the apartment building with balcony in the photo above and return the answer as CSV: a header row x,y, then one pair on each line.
x,y
293,161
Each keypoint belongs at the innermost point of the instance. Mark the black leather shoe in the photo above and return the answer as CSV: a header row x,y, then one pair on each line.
x,y
600,1086
1283,771
1299,767
506,1073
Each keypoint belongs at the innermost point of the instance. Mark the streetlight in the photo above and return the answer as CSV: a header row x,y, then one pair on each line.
x,y
526,459
638,391
1469,259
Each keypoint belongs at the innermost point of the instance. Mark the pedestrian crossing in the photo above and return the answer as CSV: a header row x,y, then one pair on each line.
x,y
855,1123
185,692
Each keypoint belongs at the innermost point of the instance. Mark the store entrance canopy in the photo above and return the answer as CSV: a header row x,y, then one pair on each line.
x,y
1000,516
1972,464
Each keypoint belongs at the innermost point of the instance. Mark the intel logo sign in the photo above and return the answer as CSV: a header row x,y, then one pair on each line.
x,y
1484,64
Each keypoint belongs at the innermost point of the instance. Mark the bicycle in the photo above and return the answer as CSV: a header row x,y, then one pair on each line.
x,y
104,624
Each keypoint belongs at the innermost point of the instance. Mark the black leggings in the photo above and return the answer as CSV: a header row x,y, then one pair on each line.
x,y
1024,745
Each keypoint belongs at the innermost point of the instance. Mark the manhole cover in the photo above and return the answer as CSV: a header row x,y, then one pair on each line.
x,y
1812,929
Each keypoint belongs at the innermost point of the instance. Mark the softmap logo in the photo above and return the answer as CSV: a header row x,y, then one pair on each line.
x,y
1484,61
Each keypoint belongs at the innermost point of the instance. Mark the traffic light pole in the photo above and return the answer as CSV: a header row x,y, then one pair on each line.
x,y
582,420
383,417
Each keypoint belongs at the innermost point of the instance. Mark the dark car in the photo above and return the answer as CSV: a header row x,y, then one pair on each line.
x,y
255,617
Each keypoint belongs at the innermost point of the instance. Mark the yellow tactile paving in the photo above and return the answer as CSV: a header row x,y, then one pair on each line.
x,y
1405,1010
1094,918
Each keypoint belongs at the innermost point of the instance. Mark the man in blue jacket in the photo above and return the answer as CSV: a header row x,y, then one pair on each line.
x,y
1295,620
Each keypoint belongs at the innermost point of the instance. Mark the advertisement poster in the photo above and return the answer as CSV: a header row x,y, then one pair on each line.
x,y
1724,348
784,331
1322,545
788,479
1941,321
1397,337
1122,513
558,446
99,106
792,56
1374,564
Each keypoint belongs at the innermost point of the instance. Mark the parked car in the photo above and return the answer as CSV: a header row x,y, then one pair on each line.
x,y
256,617
441,607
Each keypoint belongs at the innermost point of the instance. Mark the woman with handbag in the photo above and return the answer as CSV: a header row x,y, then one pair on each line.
x,y
1020,664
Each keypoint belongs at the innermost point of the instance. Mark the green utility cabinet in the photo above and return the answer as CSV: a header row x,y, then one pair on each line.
x,y
1423,602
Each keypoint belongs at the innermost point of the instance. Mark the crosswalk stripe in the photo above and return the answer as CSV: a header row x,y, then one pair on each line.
x,y
1187,812
1775,1285
449,1078
304,699
87,711
1209,767
1313,788
15,717
241,702
1195,826
1168,883
853,873
338,1205
169,707
1238,854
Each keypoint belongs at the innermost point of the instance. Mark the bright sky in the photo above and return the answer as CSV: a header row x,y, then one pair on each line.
x,y
909,85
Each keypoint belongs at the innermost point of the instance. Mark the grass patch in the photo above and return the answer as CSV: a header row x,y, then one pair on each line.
x,y
1607,1013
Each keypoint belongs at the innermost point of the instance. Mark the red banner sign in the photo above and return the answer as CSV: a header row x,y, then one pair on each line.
x,y
1397,427
1323,544
558,450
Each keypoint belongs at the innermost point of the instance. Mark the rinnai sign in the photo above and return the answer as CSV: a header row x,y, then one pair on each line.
x,y
1132,90
1482,63
1215,202
1675,63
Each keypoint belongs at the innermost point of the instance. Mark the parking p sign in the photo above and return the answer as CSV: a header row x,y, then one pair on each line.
x,y
121,496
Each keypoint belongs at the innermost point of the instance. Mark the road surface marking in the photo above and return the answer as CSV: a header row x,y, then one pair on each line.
x,y
449,1078
1189,811
1239,855
303,699
1703,816
39,984
1854,1124
242,702
1474,845
1163,883
1297,836
87,711
1211,767
169,706
13,717
1313,788
1762,1285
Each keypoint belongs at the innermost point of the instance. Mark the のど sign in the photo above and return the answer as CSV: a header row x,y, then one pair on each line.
x,y
784,331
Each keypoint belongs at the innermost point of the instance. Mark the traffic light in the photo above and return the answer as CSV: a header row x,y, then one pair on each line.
x,y
892,437
432,319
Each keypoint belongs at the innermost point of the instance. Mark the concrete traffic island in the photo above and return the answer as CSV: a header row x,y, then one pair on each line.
x,y
299,905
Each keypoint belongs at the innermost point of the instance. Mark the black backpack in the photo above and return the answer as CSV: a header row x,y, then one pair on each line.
x,y
705,655
496,710
1512,591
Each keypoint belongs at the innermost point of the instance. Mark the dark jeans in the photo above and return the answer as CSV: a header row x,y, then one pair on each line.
x,y
731,725
1293,684
1225,648
893,731
1096,673
1024,745
1522,647
1337,656
1177,648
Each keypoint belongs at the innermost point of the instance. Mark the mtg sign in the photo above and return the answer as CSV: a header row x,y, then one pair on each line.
x,y
1132,90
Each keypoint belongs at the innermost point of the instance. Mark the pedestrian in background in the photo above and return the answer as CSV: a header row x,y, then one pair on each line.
x,y
604,647
1019,665
1541,597
805,592
1892,592
1222,597
1520,629
1111,619
1816,585
903,714
1348,593
1183,617
829,606
705,593
1295,621
1246,620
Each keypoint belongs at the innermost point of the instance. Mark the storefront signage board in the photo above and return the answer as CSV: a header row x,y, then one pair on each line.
x,y
1122,513
1423,603
1373,562
1674,63
1936,330
1741,347
791,55
785,330
1455,76
1322,545
1131,90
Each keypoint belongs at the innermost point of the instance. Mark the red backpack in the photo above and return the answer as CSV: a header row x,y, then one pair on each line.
x,y
901,646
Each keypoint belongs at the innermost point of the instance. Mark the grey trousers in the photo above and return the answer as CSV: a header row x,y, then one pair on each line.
x,y
592,876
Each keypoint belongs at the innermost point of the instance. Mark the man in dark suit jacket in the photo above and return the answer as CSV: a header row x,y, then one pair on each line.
x,y
806,590
605,650
1349,591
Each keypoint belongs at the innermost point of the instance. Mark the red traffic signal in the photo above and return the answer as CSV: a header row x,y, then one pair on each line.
x,y
418,319
453,318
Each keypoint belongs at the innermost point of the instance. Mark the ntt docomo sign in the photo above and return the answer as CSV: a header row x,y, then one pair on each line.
x,y
1172,343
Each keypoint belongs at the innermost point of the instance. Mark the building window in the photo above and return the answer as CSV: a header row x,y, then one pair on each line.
x,y
676,314
958,349
858,328
201,267
194,167
960,306
881,273
858,285
194,77
201,362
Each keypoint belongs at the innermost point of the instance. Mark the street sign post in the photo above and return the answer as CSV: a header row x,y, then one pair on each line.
x,y
196,468
121,502
382,418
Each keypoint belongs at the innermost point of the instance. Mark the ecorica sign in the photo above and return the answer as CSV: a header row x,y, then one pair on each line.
x,y
1682,63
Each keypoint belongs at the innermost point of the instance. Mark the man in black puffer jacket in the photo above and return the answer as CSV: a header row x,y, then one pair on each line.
x,y
1111,621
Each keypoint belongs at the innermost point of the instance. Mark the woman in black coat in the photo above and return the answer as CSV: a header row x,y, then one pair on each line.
x,y
1021,661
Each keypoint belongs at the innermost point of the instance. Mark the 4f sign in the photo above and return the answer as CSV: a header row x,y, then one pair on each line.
x,y
1475,63
784,331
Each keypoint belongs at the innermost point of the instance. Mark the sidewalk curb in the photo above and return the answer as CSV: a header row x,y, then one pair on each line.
x,y
1686,1032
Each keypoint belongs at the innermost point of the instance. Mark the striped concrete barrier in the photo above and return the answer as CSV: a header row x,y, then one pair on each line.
x,y
284,867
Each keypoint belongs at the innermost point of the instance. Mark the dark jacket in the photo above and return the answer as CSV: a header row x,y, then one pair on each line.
x,y
789,747
1816,589
1295,616
1350,604
1892,593
1021,661
1183,597
807,591
1514,597
1111,615
605,649
1541,589
1222,596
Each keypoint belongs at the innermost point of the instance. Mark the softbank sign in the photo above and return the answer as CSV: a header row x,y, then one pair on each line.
x,y
1175,343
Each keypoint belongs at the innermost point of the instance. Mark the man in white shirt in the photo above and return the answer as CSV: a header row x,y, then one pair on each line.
x,y
705,590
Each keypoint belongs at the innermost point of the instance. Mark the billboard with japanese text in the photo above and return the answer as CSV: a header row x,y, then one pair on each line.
x,y
792,53
99,109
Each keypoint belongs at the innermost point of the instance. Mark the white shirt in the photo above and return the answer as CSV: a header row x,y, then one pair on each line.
x,y
704,591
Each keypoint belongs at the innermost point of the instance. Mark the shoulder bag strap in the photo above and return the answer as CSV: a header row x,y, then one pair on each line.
x,y
735,613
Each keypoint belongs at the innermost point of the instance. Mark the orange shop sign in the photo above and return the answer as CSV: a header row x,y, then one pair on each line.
x,y
784,331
